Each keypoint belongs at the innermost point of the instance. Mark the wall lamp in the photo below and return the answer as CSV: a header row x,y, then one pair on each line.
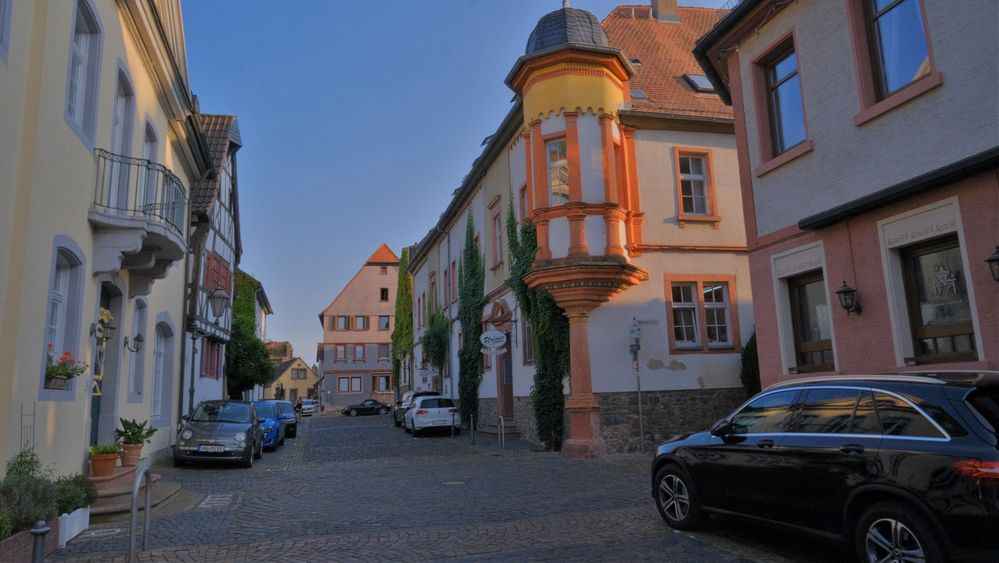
x,y
993,262
136,343
848,299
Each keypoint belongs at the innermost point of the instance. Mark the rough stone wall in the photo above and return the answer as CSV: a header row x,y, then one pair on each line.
x,y
523,415
488,411
666,413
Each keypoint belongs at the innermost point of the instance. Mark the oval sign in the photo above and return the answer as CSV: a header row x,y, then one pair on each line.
x,y
492,339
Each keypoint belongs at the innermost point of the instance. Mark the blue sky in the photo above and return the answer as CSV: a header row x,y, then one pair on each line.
x,y
359,118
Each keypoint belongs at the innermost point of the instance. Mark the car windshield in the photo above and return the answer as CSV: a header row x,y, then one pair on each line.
x,y
265,410
222,412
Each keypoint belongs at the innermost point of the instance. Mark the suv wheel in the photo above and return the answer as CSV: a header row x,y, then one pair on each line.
x,y
891,532
383,410
676,499
352,412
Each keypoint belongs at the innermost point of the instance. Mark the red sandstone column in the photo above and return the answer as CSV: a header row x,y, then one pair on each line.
x,y
585,439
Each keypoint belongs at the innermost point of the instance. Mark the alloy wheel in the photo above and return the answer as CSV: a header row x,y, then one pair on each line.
x,y
890,541
674,497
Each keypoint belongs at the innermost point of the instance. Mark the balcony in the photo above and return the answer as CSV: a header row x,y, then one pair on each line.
x,y
139,216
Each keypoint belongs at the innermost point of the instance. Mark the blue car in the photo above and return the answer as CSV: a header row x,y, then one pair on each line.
x,y
271,423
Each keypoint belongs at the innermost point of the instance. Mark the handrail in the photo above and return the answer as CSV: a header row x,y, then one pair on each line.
x,y
141,474
139,187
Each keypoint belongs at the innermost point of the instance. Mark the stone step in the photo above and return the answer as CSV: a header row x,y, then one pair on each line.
x,y
122,476
510,431
123,490
109,506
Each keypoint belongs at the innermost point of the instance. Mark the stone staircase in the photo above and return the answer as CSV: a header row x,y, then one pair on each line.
x,y
114,492
510,430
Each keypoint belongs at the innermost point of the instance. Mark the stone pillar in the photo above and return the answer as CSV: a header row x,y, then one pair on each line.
x,y
585,439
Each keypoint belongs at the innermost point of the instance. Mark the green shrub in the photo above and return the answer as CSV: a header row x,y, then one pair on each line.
x,y
74,491
28,498
6,529
26,462
134,432
750,374
104,449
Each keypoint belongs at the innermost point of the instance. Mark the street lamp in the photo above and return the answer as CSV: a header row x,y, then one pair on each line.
x,y
848,299
219,302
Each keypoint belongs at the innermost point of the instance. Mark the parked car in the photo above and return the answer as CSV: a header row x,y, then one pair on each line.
x,y
220,431
309,407
287,412
905,467
432,412
271,423
399,412
367,406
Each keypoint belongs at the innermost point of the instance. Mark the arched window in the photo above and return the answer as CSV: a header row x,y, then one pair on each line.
x,y
159,366
137,360
62,325
84,63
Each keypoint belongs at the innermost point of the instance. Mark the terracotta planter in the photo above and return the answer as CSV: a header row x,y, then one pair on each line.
x,y
102,465
130,454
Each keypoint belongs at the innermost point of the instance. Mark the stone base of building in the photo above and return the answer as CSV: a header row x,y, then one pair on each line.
x,y
667,413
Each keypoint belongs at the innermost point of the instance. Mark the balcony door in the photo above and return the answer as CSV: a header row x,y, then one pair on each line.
x,y
121,141
147,182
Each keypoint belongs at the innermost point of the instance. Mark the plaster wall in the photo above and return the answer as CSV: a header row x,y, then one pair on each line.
x,y
950,122
591,158
558,237
596,234
361,297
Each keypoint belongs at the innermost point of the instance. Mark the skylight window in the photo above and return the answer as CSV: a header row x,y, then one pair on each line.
x,y
639,94
699,83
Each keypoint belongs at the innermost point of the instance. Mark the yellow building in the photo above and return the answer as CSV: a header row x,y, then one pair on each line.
x,y
294,380
100,144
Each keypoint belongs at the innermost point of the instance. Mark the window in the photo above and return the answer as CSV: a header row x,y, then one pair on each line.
x,y
783,95
937,296
699,83
343,384
383,351
4,28
826,411
340,353
211,359
558,172
765,415
695,190
432,304
447,286
383,322
358,352
419,312
899,418
810,323
81,84
65,301
700,314
298,373
360,322
380,382
355,384
383,270
342,322
383,294
528,342
497,240
899,54
159,371
136,359
331,323
454,281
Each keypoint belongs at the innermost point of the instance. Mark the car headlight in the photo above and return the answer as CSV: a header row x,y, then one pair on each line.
x,y
186,435
241,436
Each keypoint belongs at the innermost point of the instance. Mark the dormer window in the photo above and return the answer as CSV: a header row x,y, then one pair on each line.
x,y
558,172
699,83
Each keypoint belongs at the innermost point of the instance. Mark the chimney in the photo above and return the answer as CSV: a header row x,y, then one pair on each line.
x,y
665,10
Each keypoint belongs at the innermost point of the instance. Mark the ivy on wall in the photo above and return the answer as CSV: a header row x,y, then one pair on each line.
x,y
435,338
246,360
551,333
402,334
471,299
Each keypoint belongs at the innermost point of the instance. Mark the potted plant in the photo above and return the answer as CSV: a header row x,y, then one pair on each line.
x,y
74,495
59,370
103,458
131,436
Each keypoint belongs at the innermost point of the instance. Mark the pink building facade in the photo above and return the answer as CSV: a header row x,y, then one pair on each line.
x,y
868,141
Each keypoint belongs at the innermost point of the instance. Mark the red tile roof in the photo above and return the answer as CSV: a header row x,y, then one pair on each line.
x,y
221,132
383,255
664,51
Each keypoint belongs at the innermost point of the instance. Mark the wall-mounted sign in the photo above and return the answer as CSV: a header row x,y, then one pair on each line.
x,y
492,339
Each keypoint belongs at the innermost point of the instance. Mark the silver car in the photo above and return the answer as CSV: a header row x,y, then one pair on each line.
x,y
220,431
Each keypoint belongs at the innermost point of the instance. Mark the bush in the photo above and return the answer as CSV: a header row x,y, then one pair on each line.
x,y
28,498
99,449
26,462
6,529
750,374
74,491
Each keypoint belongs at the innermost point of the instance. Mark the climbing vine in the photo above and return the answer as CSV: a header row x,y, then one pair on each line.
x,y
402,334
435,337
551,334
471,298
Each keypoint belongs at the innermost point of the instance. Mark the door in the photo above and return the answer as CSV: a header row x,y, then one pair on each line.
x,y
147,192
832,446
293,395
120,145
504,382
737,471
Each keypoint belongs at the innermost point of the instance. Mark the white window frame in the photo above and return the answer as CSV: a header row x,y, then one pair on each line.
x,y
554,165
693,178
723,306
136,361
685,306
62,322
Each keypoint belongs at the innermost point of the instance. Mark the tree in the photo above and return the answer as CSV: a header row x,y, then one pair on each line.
x,y
471,298
402,334
551,334
246,361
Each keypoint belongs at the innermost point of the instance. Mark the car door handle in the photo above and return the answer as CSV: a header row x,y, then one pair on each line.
x,y
852,449
765,444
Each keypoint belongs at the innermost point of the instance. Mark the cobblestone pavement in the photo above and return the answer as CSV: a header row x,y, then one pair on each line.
x,y
358,489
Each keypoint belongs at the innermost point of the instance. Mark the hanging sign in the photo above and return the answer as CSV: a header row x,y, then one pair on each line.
x,y
492,339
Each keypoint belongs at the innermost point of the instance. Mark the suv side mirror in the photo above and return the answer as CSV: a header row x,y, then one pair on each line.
x,y
721,428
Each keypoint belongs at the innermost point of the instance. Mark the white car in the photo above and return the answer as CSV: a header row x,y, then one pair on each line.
x,y
309,407
432,412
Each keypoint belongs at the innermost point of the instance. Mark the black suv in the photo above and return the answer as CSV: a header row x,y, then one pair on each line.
x,y
906,467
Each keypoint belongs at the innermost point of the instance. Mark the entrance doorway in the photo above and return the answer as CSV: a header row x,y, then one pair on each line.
x,y
504,381
104,407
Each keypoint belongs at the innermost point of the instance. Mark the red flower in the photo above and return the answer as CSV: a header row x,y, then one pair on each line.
x,y
72,361
66,353
50,345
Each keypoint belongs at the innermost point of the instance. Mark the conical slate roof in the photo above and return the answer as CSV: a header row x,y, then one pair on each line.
x,y
567,26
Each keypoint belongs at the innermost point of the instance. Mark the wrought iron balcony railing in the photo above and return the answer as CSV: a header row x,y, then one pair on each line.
x,y
136,187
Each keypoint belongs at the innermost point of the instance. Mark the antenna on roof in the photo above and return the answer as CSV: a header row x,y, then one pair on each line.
x,y
565,4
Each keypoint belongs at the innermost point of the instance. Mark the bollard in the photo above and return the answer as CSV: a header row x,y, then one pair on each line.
x,y
38,547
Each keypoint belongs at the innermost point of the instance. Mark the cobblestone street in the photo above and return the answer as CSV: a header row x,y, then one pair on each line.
x,y
360,489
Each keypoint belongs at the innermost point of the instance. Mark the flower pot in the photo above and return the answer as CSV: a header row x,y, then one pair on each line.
x,y
73,524
130,454
102,465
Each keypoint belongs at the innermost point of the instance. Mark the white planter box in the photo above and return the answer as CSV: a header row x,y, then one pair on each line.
x,y
73,524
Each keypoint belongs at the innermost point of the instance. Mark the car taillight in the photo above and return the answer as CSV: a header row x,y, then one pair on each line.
x,y
452,410
978,469
423,411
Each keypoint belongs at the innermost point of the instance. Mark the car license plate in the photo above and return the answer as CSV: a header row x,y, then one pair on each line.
x,y
440,422
204,448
